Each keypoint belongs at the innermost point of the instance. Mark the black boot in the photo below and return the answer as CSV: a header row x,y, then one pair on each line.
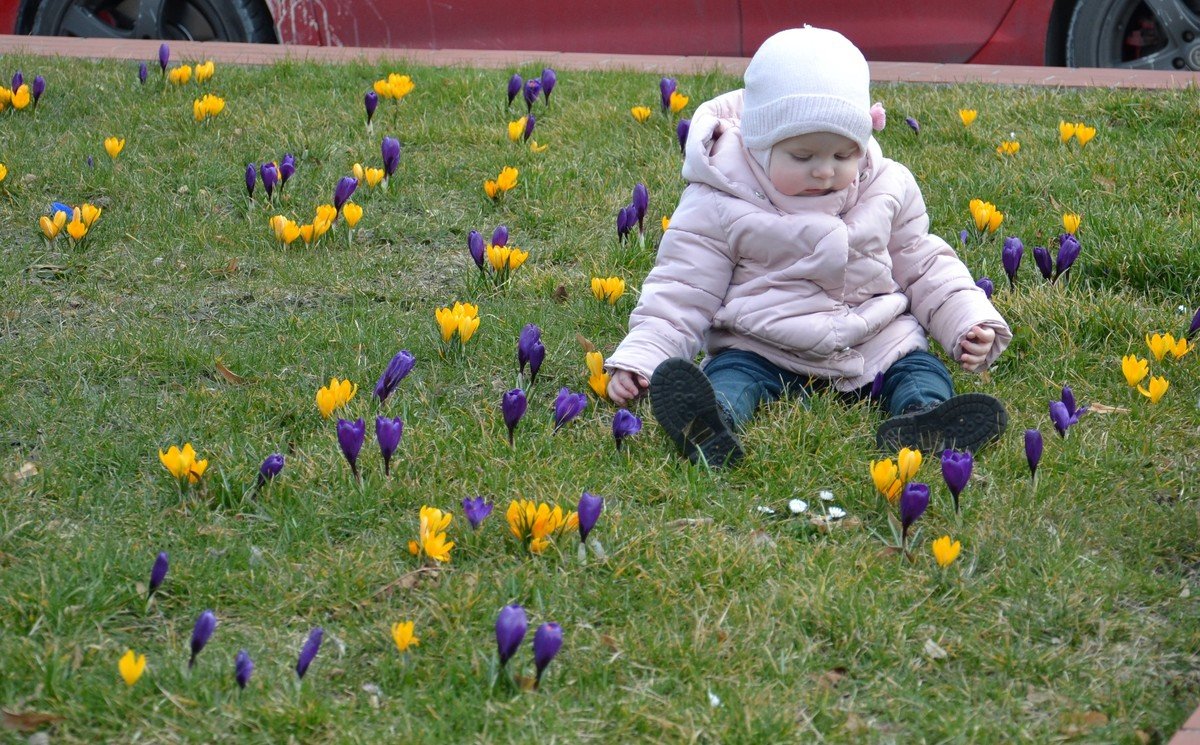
x,y
686,407
965,422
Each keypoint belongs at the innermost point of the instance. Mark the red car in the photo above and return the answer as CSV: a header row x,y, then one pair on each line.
x,y
1162,34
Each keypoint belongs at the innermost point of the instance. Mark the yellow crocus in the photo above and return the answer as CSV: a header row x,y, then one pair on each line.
x,y
1135,369
666,221
1071,222
357,171
967,116
89,213
908,462
52,226
507,179
1159,345
113,146
402,634
21,97
3,172
1084,133
183,463
291,231
1008,147
180,75
982,213
886,477
447,322
400,85
534,147
1066,130
598,378
277,222
372,176
491,189
205,71
466,309
536,523
516,130
5,97
1158,386
306,233
335,395
431,536
640,113
207,106
467,326
1181,347
131,666
382,88
994,221
608,288
76,228
945,551
678,102
352,212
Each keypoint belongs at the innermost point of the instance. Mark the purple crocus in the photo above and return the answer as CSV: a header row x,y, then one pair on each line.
x,y
913,501
987,285
270,468
549,80
287,167
344,190
388,431
477,248
270,177
1045,264
350,437
641,203
963,235
626,219
476,510
956,470
1033,450
1068,251
37,89
390,148
1192,329
201,633
876,392
308,652
681,133
530,350
625,424
251,179
511,625
164,56
243,668
547,640
666,87
158,572
533,89
1068,400
1061,417
515,84
17,80
370,103
90,163
913,124
589,509
1010,256
530,121
500,236
397,369
143,73
513,407
568,406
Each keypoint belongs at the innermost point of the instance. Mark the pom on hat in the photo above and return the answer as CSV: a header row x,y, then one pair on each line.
x,y
878,117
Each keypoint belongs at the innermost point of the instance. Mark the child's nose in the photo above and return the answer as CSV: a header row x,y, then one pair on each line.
x,y
823,169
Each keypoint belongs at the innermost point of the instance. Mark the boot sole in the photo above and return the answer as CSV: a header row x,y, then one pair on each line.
x,y
966,422
684,405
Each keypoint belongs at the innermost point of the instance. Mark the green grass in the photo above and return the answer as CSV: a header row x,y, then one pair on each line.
x,y
1075,598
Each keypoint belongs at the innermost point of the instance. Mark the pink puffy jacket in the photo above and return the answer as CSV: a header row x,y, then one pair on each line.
x,y
837,286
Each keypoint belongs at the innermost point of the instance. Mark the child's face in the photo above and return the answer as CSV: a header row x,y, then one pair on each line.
x,y
813,164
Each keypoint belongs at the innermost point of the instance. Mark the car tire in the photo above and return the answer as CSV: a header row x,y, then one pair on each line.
x,y
197,20
1125,33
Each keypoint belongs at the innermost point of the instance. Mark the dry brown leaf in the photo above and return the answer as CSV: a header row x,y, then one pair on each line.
x,y
584,342
689,522
1107,183
228,374
1142,736
832,678
560,294
761,539
28,721
856,726
1075,723
609,642
934,651
407,581
525,682
228,270
1105,409
26,470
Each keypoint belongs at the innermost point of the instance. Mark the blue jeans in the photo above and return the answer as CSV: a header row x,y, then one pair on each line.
x,y
743,380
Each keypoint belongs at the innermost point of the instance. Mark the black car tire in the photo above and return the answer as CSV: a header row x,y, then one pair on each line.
x,y
1099,30
199,20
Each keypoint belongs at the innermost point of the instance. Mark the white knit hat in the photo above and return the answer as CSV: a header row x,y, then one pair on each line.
x,y
806,80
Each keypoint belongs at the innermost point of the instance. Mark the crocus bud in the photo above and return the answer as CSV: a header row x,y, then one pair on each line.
x,y
681,133
500,236
568,406
201,633
270,468
1192,329
308,652
515,84
1045,265
164,56
547,640
37,89
270,176
956,470
350,437
549,80
963,235
1033,450
625,424
143,72
397,369
913,124
158,572
530,335
17,80
287,167
913,501
390,148
243,668
476,510
510,631
666,87
533,89
513,407
1061,417
987,285
641,202
1010,256
530,121
477,248
370,103
1068,251
589,510
90,163
876,387
388,432
343,191
251,179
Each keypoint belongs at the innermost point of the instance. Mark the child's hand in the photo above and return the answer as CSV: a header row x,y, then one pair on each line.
x,y
975,347
624,386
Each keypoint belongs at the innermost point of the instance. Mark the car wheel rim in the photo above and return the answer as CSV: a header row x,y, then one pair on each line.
x,y
1155,34
140,19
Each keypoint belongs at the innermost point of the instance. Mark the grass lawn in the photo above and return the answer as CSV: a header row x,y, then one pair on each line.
x,y
1071,612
